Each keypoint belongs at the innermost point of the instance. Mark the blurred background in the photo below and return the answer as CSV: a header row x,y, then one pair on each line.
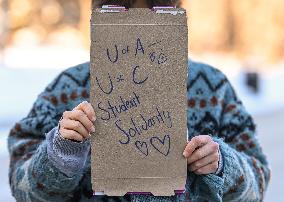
x,y
245,39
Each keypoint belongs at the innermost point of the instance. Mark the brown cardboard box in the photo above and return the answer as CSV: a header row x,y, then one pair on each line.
x,y
138,90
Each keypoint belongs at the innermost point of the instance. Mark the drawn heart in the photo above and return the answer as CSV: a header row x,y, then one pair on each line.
x,y
142,146
162,146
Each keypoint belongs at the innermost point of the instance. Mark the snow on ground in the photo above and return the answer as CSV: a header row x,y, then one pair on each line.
x,y
270,97
43,57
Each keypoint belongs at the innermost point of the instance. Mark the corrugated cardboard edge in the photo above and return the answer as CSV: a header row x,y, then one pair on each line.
x,y
111,187
118,18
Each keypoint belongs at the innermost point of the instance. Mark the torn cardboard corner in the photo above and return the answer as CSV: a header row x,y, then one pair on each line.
x,y
138,90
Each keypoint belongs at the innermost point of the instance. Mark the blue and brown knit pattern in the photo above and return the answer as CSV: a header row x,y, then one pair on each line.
x,y
213,108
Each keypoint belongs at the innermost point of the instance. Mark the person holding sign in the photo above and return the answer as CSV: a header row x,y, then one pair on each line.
x,y
50,148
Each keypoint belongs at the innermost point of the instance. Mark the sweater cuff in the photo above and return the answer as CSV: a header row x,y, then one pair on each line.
x,y
67,156
220,164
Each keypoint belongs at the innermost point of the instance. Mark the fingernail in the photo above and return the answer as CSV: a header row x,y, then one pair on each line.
x,y
93,129
184,154
94,118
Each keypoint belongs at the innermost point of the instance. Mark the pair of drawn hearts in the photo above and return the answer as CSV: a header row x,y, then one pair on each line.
x,y
161,145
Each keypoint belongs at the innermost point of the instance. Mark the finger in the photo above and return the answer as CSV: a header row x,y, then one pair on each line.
x,y
71,135
210,168
74,125
207,149
203,162
88,109
79,115
194,143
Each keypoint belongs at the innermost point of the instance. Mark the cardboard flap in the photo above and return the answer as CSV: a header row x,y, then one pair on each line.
x,y
140,16
158,187
138,90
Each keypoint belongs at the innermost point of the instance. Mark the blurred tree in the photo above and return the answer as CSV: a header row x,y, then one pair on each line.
x,y
3,23
85,21
247,28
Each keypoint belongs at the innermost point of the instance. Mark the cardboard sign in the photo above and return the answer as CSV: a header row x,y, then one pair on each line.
x,y
138,90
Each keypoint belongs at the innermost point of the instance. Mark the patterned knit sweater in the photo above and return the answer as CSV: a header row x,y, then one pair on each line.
x,y
40,168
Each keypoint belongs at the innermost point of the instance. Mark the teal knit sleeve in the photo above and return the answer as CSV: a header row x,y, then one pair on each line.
x,y
245,169
32,175
215,109
246,172
243,179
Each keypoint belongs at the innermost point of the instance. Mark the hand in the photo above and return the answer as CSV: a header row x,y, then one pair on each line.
x,y
202,155
78,123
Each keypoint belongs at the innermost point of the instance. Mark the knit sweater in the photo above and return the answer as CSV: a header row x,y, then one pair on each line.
x,y
46,167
